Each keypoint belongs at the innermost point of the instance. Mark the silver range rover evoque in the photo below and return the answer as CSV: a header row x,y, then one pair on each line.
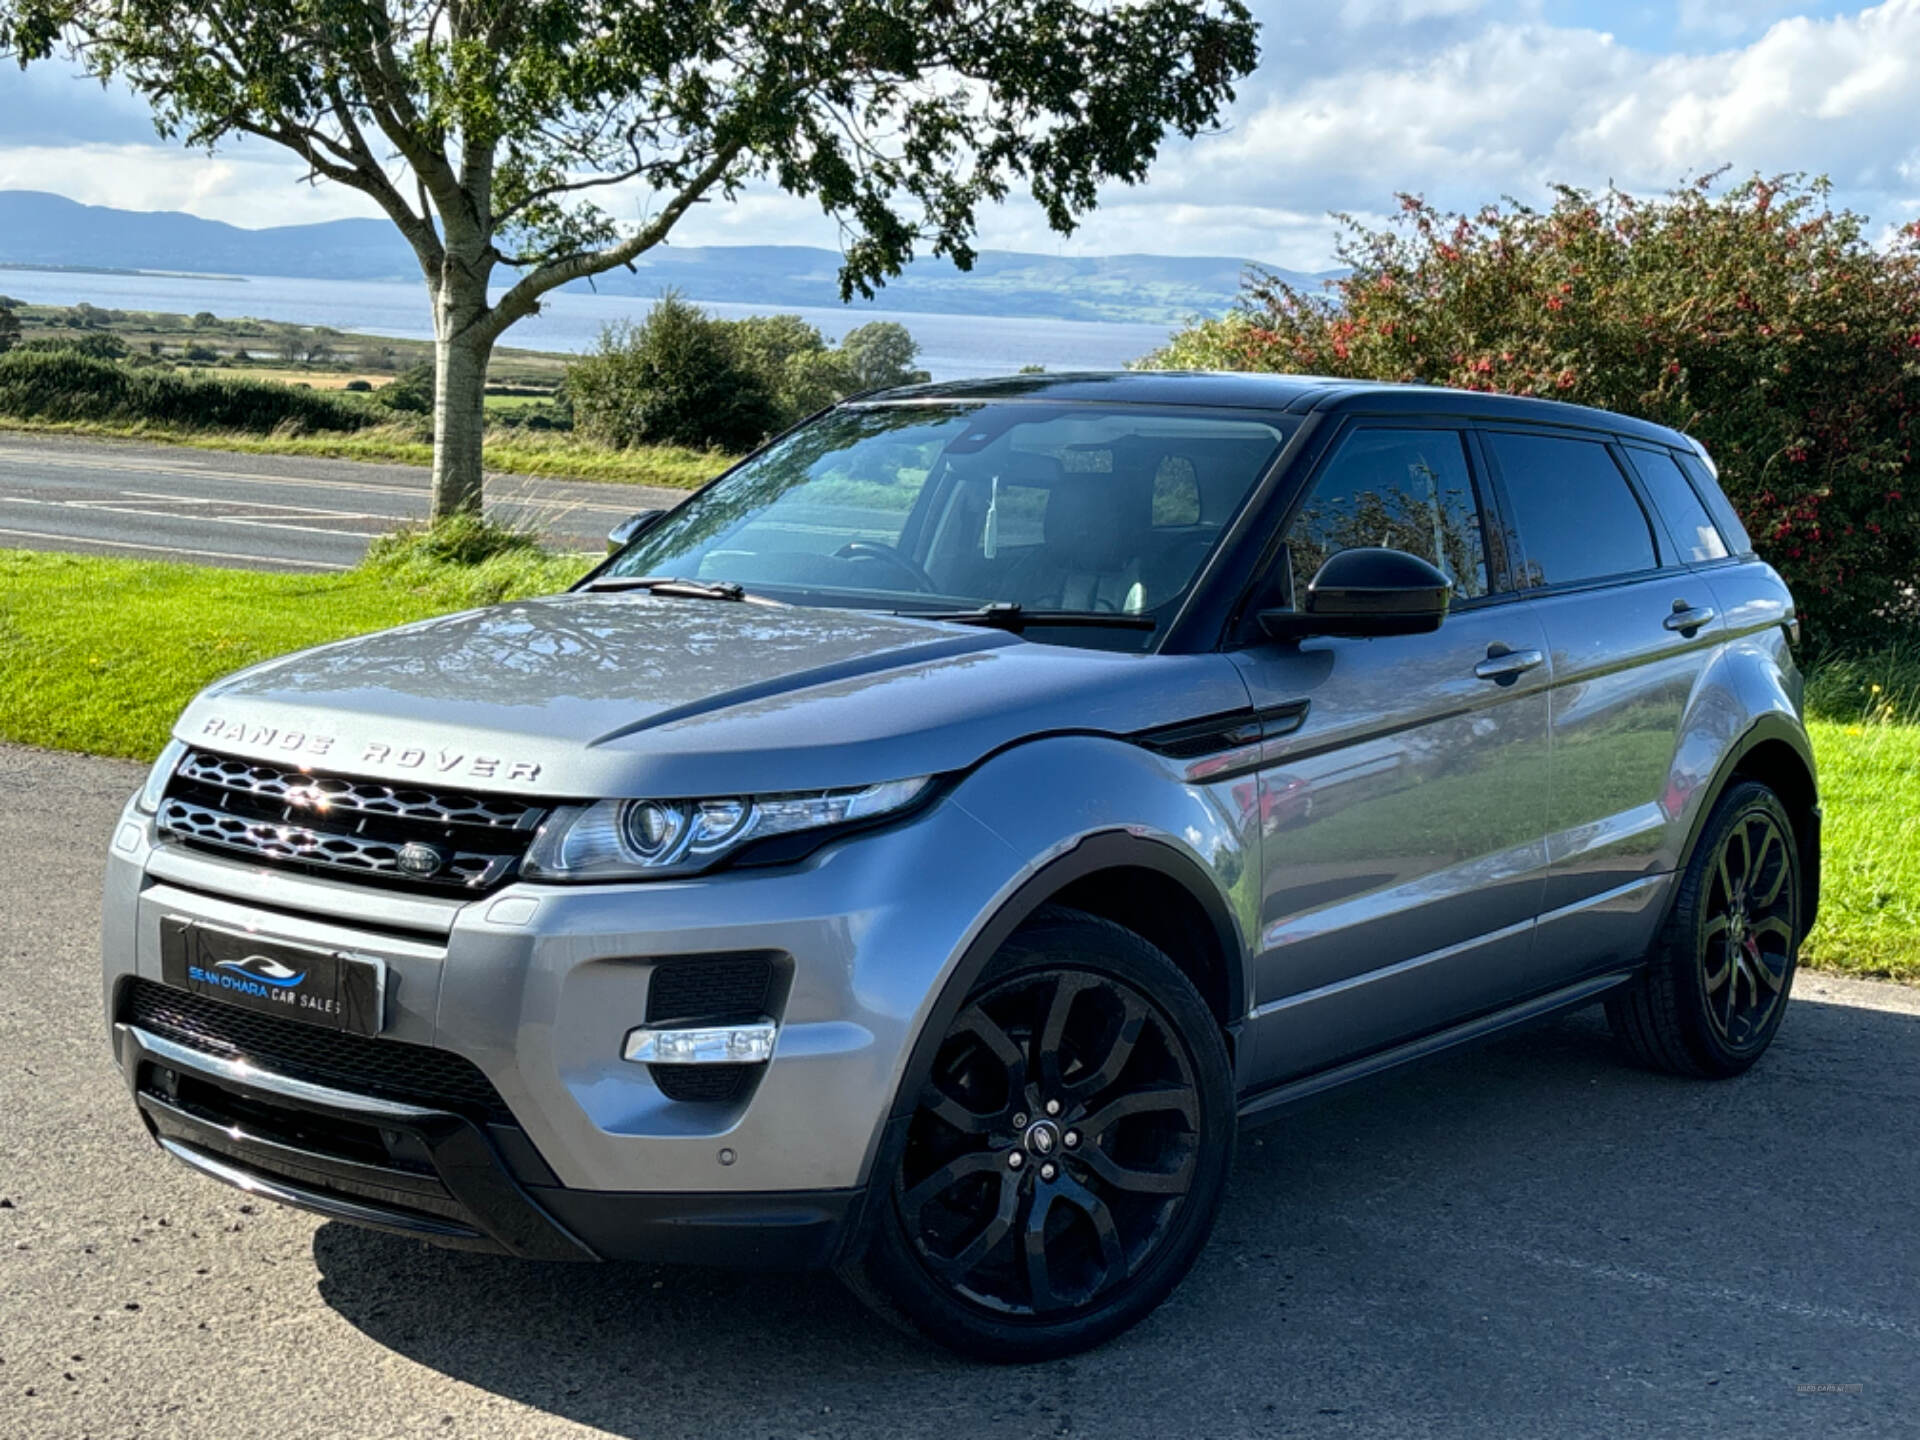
x,y
918,852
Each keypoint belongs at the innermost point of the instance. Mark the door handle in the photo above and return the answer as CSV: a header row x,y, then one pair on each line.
x,y
1506,666
1688,618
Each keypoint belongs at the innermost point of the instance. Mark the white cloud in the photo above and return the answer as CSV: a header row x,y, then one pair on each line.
x,y
1462,100
251,188
1515,107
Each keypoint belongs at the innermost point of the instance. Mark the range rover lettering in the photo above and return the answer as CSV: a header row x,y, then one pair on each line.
x,y
919,852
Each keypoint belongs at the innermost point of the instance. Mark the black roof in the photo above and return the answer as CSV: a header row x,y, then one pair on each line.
x,y
1294,393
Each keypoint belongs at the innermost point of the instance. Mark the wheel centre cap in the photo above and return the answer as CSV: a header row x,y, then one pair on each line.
x,y
1042,1138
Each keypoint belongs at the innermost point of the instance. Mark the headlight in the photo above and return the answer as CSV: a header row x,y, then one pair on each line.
x,y
148,800
642,839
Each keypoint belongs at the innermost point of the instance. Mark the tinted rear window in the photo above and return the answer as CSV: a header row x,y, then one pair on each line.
x,y
1724,515
1577,517
1687,520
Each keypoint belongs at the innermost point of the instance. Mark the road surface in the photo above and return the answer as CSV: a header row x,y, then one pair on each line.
x,y
266,511
1528,1240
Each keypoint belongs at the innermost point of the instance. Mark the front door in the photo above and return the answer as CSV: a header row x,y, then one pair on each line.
x,y
1404,819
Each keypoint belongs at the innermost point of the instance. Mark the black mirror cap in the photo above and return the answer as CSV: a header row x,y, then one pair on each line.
x,y
628,529
1369,591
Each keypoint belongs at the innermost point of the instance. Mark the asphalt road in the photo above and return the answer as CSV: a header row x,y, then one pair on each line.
x,y
268,511
1529,1240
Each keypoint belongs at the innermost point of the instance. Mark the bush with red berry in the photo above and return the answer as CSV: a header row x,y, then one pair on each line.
x,y
1757,318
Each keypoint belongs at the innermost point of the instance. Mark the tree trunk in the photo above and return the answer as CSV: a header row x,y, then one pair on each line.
x,y
459,404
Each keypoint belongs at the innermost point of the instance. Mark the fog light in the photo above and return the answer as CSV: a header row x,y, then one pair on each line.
x,y
748,1044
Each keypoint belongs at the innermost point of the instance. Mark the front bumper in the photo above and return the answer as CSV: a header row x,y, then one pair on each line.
x,y
442,1177
584,1155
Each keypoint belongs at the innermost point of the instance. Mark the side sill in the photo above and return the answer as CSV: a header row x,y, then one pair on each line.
x,y
1264,1103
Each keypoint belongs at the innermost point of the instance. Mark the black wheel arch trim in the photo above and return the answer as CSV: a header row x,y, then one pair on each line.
x,y
1103,850
1768,729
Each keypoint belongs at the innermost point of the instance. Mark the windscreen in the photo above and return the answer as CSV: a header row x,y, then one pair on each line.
x,y
943,507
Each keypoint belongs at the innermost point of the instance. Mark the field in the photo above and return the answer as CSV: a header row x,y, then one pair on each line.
x,y
188,358
560,456
101,654
315,355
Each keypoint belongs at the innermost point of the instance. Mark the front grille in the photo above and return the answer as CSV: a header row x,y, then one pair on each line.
x,y
389,1069
369,830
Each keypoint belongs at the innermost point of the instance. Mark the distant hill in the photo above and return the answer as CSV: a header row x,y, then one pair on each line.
x,y
39,229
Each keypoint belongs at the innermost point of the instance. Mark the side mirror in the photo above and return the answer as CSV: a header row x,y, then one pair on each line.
x,y
1366,592
623,534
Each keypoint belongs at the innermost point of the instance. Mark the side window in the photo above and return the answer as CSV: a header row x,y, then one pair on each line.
x,y
1721,508
1403,489
1687,519
1578,518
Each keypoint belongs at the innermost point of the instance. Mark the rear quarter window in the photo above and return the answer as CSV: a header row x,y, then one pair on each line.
x,y
1725,517
1693,532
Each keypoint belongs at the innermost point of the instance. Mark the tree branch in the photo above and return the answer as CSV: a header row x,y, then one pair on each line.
x,y
525,295
393,111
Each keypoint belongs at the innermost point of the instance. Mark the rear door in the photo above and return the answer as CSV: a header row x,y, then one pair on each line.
x,y
1629,629
1402,799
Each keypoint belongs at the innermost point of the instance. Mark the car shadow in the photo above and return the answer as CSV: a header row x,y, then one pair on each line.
x,y
1523,1236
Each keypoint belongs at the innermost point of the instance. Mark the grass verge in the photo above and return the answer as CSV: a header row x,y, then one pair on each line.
x,y
100,655
1870,901
508,452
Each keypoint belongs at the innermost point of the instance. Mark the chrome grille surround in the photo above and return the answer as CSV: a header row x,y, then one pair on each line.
x,y
272,841
321,793
368,830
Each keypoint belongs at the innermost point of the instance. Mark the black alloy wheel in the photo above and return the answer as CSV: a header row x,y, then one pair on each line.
x,y
1716,984
1746,948
1067,1151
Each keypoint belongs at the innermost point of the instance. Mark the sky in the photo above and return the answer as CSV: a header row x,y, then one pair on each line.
x,y
1462,101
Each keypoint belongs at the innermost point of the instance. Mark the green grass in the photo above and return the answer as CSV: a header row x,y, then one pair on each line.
x,y
100,655
1870,901
556,456
1879,688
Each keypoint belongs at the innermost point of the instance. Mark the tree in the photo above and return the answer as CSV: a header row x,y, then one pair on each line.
x,y
411,391
880,353
792,361
484,129
677,378
9,329
1756,318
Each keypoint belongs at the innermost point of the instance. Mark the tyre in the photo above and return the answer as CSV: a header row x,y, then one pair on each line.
x,y
1717,981
1067,1154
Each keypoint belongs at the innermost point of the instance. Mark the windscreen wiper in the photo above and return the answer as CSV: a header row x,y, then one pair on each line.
x,y
675,585
1007,615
